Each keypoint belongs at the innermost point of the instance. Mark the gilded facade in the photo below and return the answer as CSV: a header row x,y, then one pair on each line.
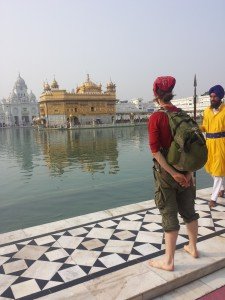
x,y
87,105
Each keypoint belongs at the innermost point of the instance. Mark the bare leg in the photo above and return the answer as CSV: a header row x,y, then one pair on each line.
x,y
192,229
167,263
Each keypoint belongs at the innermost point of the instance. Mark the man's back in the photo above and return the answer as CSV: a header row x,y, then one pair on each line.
x,y
160,135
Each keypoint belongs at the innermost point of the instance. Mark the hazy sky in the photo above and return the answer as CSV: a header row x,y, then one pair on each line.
x,y
129,41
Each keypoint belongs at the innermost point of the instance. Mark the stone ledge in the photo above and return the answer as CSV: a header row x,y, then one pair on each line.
x,y
142,282
136,281
13,236
29,232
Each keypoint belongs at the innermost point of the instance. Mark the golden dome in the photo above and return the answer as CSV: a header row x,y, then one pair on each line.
x,y
54,84
89,87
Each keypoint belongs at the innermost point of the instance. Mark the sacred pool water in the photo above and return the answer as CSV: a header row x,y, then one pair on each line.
x,y
51,175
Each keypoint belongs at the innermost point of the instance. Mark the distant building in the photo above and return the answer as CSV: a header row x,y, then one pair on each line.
x,y
88,105
135,110
20,108
136,105
187,104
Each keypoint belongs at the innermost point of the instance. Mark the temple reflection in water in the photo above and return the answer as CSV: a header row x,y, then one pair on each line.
x,y
19,143
93,151
90,150
51,175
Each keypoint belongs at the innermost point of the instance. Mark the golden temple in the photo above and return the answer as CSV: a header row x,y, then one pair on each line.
x,y
88,105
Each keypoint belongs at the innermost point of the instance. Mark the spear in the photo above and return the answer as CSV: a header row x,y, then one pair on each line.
x,y
194,100
195,96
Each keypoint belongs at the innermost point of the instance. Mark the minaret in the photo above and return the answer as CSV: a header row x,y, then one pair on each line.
x,y
111,87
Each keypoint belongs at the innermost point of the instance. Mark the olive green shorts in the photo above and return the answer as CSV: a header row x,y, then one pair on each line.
x,y
171,199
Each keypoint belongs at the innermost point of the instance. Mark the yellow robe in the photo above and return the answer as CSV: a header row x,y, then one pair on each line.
x,y
212,123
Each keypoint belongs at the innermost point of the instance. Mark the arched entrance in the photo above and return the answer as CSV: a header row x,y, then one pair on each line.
x,y
72,121
76,121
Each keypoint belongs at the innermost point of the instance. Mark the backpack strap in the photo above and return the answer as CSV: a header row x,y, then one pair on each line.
x,y
167,112
162,109
186,118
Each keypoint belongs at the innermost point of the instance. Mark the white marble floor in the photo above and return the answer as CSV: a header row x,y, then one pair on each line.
x,y
198,288
46,263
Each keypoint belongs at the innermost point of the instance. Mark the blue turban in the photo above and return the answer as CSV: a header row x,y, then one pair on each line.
x,y
218,90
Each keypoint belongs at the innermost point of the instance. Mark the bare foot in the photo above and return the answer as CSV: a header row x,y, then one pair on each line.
x,y
221,193
212,203
161,264
193,252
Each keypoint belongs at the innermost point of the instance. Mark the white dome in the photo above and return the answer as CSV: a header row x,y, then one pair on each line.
x,y
20,83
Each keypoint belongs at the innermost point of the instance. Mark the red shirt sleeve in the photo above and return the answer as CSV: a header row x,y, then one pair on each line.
x,y
159,131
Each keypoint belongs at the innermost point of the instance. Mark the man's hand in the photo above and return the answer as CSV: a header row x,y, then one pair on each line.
x,y
181,179
189,178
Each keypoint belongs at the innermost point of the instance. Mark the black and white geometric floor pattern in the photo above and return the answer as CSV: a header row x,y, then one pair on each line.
x,y
45,264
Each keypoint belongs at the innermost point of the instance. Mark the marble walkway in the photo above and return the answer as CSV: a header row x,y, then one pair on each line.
x,y
104,255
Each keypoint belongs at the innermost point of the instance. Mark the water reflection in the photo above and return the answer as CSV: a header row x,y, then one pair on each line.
x,y
20,144
53,175
90,150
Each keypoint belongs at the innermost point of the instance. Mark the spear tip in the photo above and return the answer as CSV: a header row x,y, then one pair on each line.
x,y
195,81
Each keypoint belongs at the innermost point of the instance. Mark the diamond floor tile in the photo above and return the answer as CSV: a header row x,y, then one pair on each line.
x,y
35,267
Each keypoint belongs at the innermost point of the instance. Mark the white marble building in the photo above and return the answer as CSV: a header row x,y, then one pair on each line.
x,y
20,107
136,109
187,104
136,105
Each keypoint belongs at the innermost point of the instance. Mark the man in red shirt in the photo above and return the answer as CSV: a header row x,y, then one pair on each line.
x,y
174,191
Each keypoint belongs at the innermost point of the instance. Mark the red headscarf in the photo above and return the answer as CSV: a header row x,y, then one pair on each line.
x,y
164,83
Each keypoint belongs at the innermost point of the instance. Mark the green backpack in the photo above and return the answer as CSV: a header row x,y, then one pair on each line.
x,y
188,151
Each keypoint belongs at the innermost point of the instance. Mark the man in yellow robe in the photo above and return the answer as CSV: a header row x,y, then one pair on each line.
x,y
214,126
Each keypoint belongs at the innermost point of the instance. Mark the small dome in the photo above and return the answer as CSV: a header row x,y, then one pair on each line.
x,y
46,86
54,84
110,84
111,87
